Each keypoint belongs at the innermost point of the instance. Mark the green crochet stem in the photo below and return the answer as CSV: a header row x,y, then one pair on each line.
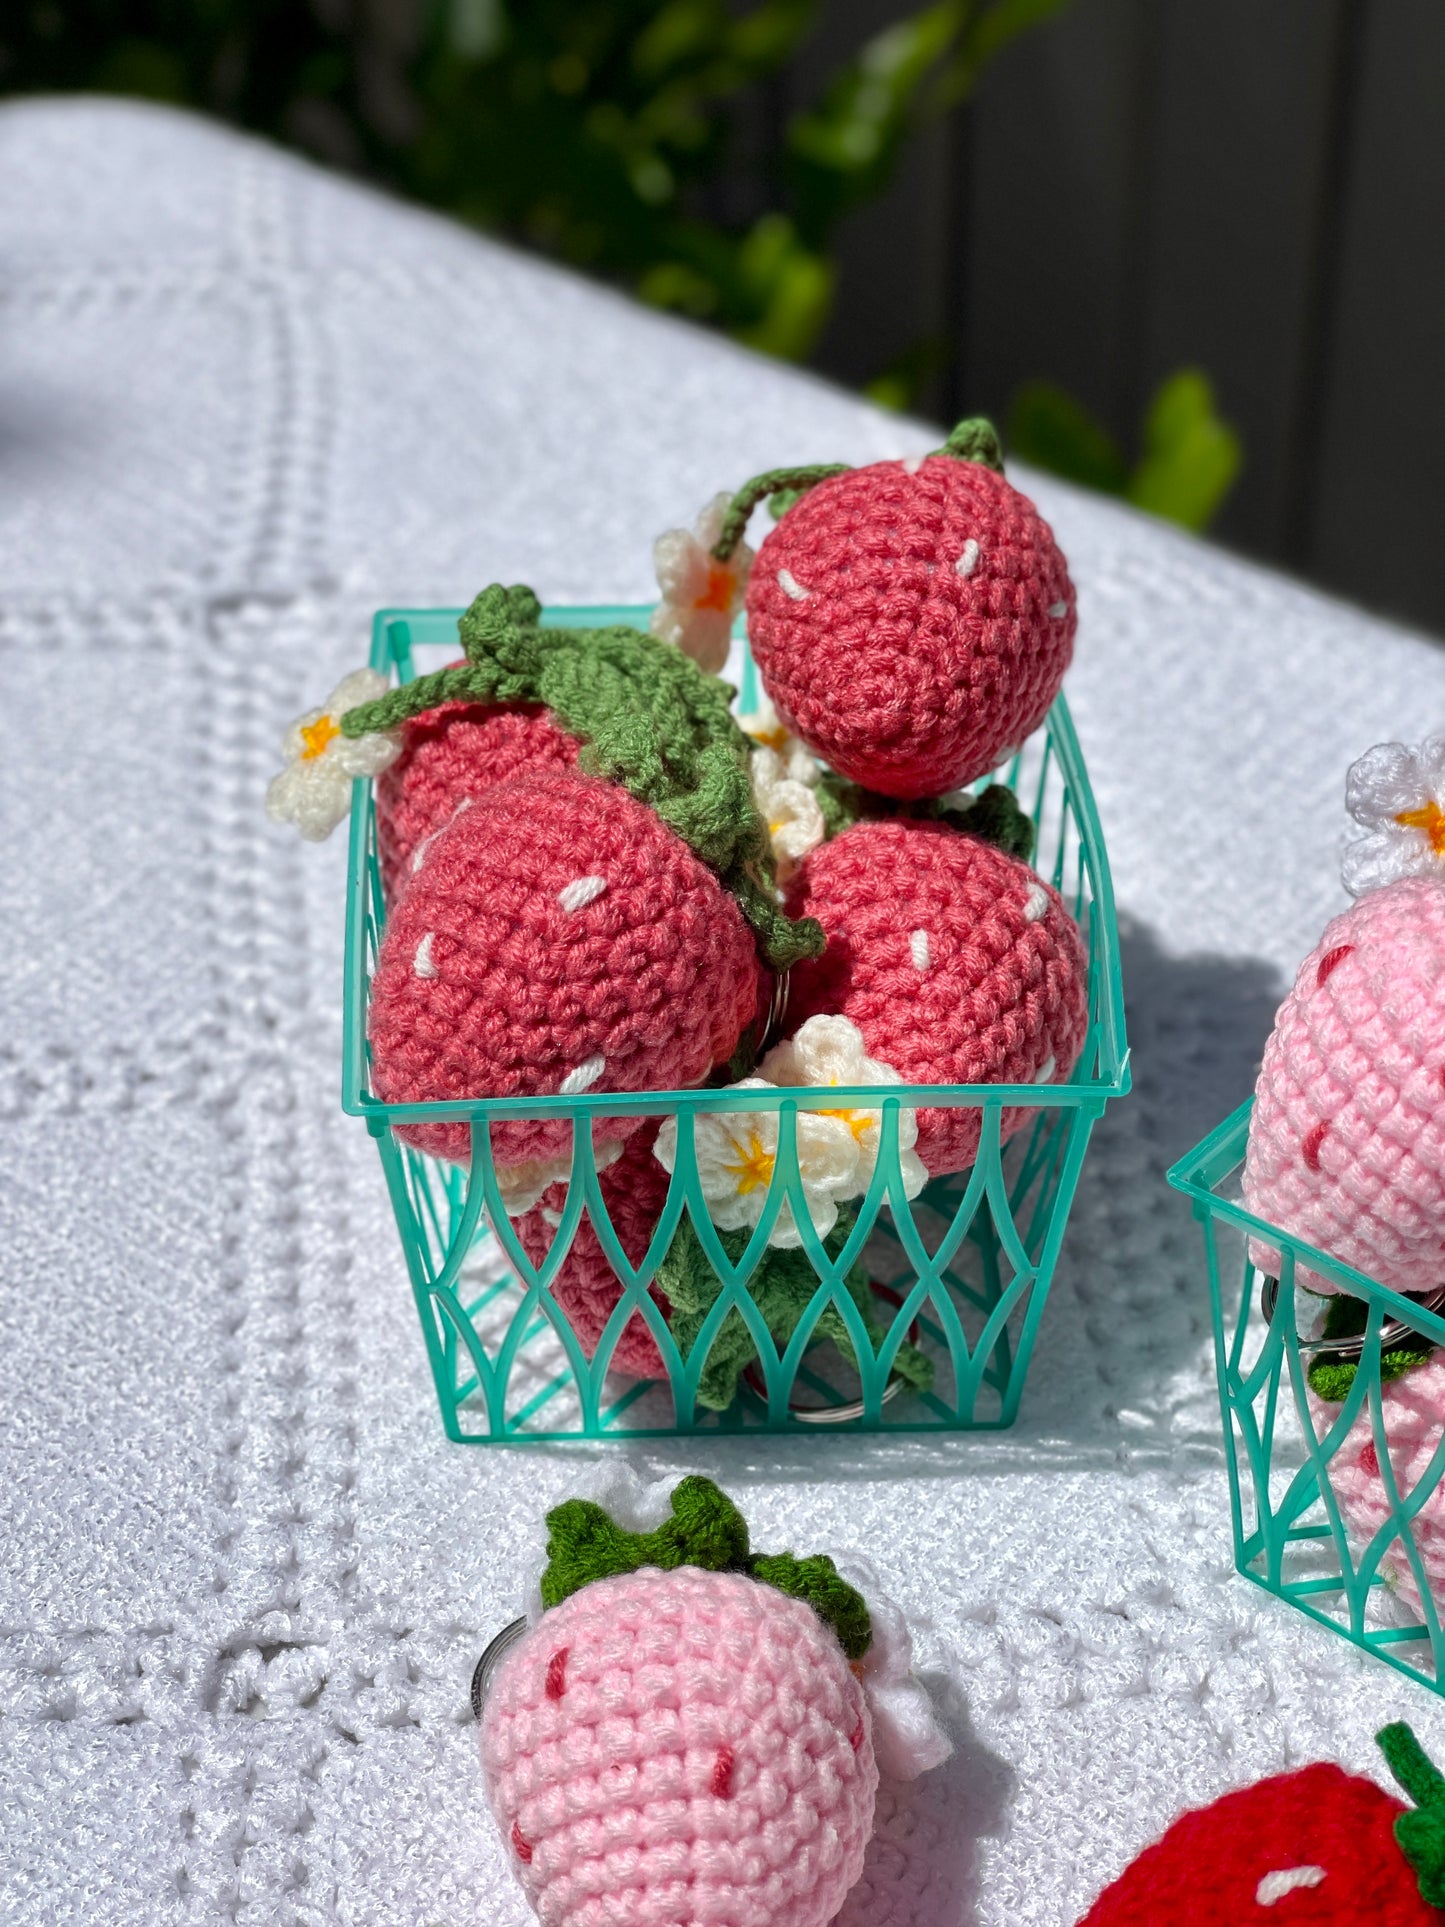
x,y
705,1530
1332,1373
777,481
994,815
647,718
1421,1834
976,440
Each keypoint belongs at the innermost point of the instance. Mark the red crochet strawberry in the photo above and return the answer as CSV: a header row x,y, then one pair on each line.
x,y
1316,1848
955,961
912,621
558,938
450,755
587,1288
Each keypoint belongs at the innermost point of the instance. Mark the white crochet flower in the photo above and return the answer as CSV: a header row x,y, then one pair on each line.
x,y
1397,794
700,595
907,1737
767,728
791,811
737,1153
314,790
829,1050
522,1186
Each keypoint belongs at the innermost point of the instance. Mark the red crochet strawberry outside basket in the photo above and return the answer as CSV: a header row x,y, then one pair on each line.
x,y
958,1276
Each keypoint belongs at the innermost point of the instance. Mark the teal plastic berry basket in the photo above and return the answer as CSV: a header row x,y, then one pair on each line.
x,y
1320,1516
961,1273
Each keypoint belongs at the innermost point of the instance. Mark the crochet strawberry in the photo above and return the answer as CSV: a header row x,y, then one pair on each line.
x,y
687,1733
634,1190
957,964
1347,1140
1316,1848
558,938
448,756
911,621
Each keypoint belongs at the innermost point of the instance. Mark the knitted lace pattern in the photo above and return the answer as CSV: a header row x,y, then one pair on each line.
x,y
683,1746
912,623
558,937
955,961
586,1287
1347,1139
449,756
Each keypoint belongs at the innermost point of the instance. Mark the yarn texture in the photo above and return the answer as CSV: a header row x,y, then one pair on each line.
x,y
449,756
1413,1406
1347,1139
585,1286
955,961
912,622
1315,1848
558,938
708,1756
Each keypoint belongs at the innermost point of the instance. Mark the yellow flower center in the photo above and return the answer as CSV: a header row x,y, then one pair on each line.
x,y
774,738
857,1121
316,736
1431,819
754,1171
719,591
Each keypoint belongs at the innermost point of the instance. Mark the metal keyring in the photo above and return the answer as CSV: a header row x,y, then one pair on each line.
x,y
777,1009
489,1662
1392,1330
853,1407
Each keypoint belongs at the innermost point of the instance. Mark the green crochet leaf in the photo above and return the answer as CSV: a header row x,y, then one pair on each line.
x,y
782,1288
818,1581
705,1530
1331,1374
1421,1834
995,815
648,719
976,440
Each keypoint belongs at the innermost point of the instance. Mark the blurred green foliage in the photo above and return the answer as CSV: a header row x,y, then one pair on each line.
x,y
643,140
1189,457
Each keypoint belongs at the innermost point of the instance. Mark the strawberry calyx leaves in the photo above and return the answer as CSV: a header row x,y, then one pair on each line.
x,y
994,815
648,719
1421,1833
975,439
704,1529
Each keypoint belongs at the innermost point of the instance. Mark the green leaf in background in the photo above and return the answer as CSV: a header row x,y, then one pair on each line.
x,y
1190,458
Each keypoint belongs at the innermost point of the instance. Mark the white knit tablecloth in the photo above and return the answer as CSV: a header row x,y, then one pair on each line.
x,y
243,1577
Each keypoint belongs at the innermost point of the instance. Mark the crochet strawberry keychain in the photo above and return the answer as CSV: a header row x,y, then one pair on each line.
x,y
1315,1848
685,1731
1347,1141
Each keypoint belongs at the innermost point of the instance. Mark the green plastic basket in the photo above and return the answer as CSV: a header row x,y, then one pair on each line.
x,y
1291,1534
964,1269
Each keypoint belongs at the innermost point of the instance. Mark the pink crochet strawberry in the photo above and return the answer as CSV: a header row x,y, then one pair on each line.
x,y
954,960
448,756
558,938
634,1190
685,1735
1314,1848
911,621
1347,1139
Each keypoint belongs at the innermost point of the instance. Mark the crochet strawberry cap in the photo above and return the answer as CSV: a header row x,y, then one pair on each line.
x,y
958,964
1314,1848
680,1738
911,621
558,938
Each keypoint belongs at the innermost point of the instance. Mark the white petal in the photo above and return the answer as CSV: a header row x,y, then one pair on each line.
x,y
681,563
361,686
1386,780
710,520
364,755
312,796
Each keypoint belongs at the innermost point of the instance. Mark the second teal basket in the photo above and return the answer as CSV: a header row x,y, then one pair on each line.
x,y
961,1272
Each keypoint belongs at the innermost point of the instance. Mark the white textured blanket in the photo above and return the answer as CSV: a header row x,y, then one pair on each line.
x,y
243,1577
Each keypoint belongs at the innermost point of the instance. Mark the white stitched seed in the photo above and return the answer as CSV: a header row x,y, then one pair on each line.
x,y
918,945
1046,1075
581,891
1288,1880
419,854
968,561
584,1077
912,465
790,586
1059,609
422,963
1035,903
549,1216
